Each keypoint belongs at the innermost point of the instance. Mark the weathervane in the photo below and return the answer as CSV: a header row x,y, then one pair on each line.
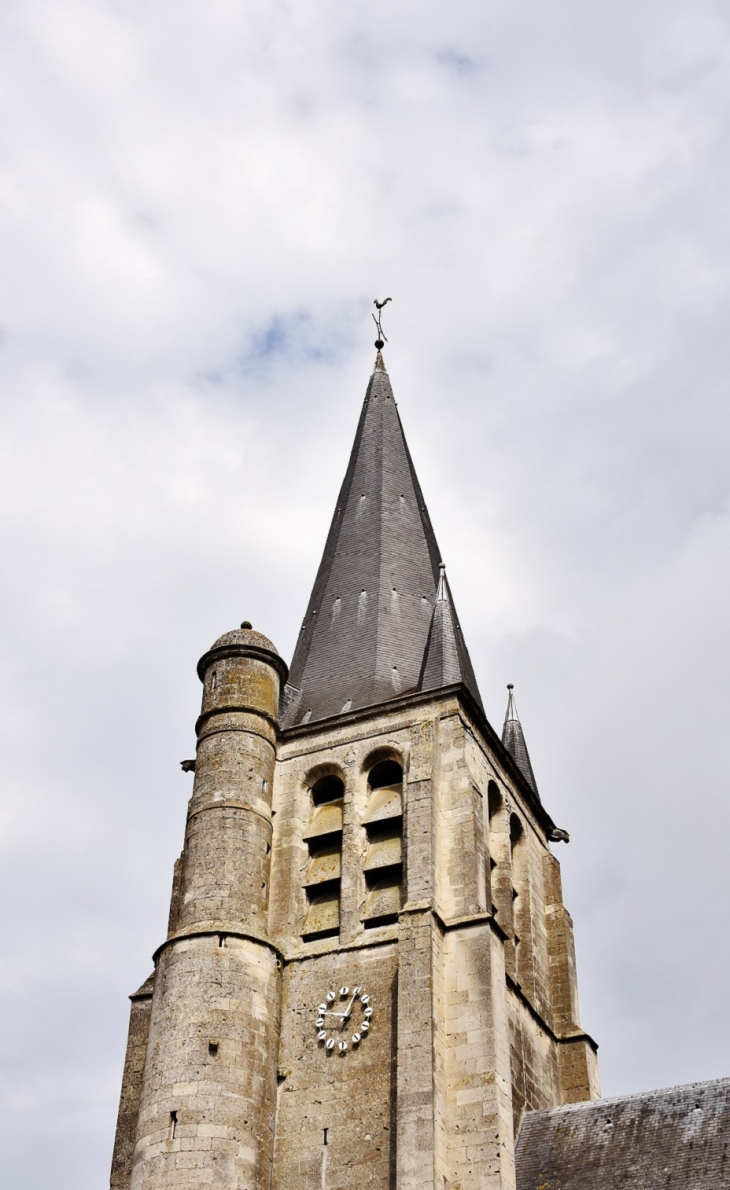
x,y
381,339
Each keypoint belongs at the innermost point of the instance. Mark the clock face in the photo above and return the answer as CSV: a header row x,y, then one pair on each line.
x,y
344,1019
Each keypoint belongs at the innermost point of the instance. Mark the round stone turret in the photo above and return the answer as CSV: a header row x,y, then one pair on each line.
x,y
225,868
242,671
209,1084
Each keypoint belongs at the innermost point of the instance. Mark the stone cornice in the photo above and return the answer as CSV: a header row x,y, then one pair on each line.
x,y
575,1034
210,929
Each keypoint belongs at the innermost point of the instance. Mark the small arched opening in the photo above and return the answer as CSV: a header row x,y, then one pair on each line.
x,y
385,773
494,800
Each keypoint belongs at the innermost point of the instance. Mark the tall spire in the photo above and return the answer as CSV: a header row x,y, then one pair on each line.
x,y
513,739
370,614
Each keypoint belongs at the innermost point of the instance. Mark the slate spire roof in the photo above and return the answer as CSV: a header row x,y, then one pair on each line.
x,y
379,622
513,739
446,658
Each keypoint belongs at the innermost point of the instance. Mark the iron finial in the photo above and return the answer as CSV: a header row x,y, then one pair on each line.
x,y
381,339
441,592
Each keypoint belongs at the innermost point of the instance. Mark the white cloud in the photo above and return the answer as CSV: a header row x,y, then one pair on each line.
x,y
198,204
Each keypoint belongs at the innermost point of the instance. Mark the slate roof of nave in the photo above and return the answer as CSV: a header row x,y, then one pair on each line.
x,y
374,606
674,1139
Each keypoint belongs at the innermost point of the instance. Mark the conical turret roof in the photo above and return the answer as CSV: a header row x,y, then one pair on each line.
x,y
446,658
371,611
513,739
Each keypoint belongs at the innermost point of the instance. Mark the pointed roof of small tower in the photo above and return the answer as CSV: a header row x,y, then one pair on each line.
x,y
513,739
446,658
371,612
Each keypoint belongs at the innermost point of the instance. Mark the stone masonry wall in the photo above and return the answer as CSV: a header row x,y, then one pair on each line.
x,y
534,1061
469,1053
210,1074
335,1125
476,1075
126,1135
238,1091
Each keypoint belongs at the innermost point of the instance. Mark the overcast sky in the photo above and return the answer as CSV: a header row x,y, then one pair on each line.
x,y
199,203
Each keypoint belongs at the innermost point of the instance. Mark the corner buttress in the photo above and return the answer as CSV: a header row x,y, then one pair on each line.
x,y
126,1134
577,1052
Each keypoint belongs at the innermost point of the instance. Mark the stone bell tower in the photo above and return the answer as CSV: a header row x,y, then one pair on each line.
x,y
369,973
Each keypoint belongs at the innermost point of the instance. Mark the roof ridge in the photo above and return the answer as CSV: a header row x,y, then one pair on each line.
x,y
607,1101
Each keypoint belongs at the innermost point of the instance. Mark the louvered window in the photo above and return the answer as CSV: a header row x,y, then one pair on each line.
x,y
383,865
324,841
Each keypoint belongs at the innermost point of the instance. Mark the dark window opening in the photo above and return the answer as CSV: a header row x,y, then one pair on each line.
x,y
384,895
379,833
386,772
327,789
173,1125
494,800
325,1134
323,913
515,831
213,1049
386,919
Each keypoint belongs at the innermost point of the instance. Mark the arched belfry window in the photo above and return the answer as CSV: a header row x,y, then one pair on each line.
x,y
495,807
383,865
517,854
500,860
494,801
324,842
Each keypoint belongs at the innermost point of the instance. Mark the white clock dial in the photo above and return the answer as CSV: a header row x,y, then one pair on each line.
x,y
343,1019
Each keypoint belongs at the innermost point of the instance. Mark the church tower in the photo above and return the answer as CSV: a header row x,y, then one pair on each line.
x,y
369,973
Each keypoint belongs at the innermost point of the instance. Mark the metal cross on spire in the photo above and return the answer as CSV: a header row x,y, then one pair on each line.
x,y
381,339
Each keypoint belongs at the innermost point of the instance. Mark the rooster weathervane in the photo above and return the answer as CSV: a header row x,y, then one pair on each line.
x,y
381,339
